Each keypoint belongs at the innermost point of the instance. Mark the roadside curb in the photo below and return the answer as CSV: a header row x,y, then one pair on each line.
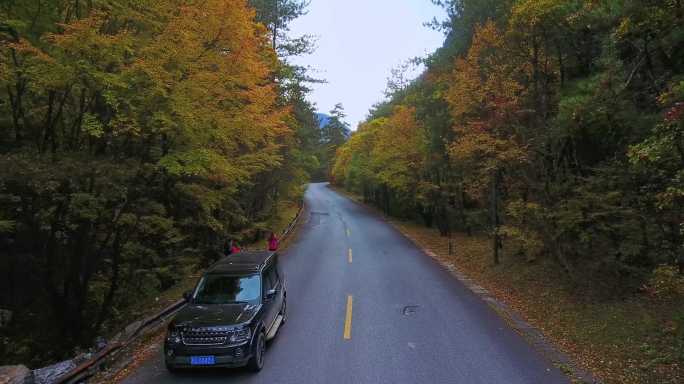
x,y
532,335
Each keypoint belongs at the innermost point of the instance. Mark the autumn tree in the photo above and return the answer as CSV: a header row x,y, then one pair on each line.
x,y
333,134
558,119
484,100
276,15
135,136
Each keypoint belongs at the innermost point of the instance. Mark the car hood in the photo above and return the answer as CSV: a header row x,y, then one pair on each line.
x,y
201,315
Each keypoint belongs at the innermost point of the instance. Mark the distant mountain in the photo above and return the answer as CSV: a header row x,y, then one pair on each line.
x,y
323,119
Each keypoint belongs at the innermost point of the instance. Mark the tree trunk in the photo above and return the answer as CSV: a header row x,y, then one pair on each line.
x,y
275,25
386,199
427,215
114,284
443,219
494,212
17,112
48,121
561,65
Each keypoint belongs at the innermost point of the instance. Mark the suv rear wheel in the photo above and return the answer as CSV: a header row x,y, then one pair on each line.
x,y
283,310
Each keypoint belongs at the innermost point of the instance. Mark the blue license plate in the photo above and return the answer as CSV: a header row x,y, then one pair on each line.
x,y
202,360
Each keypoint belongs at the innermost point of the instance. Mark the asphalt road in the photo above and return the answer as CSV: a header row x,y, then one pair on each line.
x,y
387,313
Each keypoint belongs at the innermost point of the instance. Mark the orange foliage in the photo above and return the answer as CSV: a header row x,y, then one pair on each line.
x,y
484,98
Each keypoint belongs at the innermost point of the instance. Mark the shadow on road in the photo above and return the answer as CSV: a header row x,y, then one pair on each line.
x,y
220,373
214,373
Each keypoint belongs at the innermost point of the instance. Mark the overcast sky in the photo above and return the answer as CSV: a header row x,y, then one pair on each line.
x,y
359,42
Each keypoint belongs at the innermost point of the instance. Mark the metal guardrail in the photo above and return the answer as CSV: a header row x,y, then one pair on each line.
x,y
288,230
91,366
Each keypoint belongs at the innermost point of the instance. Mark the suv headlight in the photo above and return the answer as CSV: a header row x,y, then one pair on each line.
x,y
240,336
173,336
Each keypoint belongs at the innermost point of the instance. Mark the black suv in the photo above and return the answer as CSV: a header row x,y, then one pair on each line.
x,y
237,305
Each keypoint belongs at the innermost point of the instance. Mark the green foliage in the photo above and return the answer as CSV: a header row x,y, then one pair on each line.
x,y
525,231
335,133
7,226
679,334
277,15
667,283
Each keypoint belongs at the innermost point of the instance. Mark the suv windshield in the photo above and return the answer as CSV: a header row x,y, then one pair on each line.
x,y
227,289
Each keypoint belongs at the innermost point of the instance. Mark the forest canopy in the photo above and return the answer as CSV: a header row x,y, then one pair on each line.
x,y
554,126
136,136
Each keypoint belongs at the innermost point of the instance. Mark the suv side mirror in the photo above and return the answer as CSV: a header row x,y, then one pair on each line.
x,y
187,295
270,294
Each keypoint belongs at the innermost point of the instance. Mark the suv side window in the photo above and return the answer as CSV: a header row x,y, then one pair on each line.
x,y
270,279
279,271
276,274
275,279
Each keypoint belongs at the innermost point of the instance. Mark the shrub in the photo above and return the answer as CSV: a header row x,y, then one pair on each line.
x,y
667,283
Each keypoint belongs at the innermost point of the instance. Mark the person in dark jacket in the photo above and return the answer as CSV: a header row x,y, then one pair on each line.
x,y
230,247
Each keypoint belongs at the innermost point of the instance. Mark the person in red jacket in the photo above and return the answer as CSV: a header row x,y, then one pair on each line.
x,y
272,242
235,248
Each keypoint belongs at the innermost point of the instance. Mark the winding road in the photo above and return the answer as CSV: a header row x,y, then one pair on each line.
x,y
366,306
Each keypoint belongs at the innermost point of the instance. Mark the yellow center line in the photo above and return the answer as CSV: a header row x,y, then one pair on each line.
x,y
348,318
350,256
348,232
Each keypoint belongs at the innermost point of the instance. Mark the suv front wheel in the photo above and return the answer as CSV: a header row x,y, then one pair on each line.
x,y
257,361
171,369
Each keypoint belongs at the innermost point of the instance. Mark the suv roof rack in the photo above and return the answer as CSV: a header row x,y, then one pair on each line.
x,y
247,261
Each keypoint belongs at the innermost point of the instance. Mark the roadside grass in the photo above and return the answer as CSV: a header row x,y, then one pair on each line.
x,y
187,278
145,346
287,211
628,340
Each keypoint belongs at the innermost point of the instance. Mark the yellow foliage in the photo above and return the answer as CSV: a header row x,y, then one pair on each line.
x,y
666,282
389,151
399,153
484,97
215,66
482,83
